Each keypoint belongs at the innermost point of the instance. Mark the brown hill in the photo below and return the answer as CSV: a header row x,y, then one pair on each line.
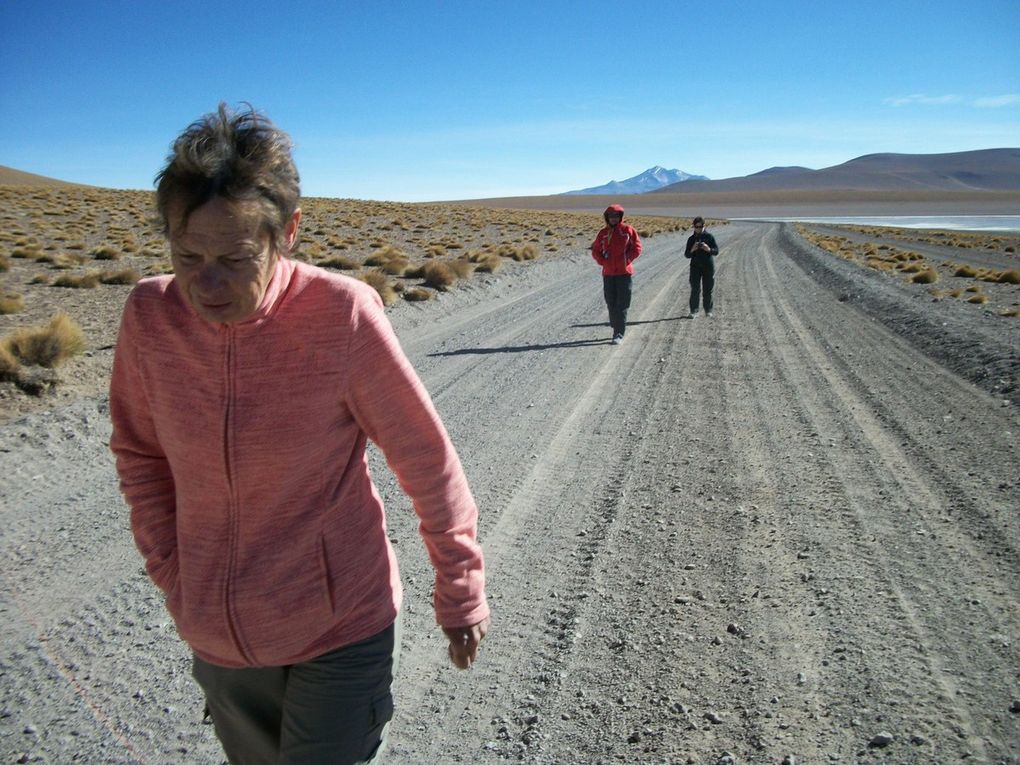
x,y
11,177
982,170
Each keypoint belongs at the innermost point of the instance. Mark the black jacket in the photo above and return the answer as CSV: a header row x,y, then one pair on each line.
x,y
701,256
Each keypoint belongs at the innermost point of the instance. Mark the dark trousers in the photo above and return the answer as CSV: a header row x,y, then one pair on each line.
x,y
702,280
333,709
617,292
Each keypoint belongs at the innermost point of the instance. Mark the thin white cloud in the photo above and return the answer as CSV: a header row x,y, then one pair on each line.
x,y
921,99
994,102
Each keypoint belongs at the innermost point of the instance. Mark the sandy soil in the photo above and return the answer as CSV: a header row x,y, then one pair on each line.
x,y
785,534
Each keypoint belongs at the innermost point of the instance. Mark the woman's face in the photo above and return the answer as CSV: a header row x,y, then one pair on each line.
x,y
223,260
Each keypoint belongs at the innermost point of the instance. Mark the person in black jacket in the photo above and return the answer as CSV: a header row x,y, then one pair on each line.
x,y
701,250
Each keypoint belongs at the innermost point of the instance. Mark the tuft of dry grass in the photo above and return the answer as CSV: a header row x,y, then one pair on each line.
x,y
48,346
104,252
490,263
124,276
438,275
341,262
84,281
1013,312
382,284
979,299
395,266
5,263
1009,277
9,366
461,268
929,276
11,302
417,294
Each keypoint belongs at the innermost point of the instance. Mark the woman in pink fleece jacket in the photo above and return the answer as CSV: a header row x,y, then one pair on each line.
x,y
244,390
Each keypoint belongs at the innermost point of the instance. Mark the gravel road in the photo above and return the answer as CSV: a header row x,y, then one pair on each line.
x,y
788,533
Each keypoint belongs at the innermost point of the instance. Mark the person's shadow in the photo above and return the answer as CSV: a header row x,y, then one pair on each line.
x,y
522,348
549,346
630,323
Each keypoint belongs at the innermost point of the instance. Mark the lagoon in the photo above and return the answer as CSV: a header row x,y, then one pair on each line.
x,y
951,222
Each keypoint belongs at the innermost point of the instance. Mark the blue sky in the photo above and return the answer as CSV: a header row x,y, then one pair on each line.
x,y
413,101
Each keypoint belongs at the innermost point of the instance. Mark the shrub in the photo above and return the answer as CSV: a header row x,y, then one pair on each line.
x,y
47,346
9,366
382,284
341,262
395,266
126,276
5,263
438,275
384,255
490,264
40,279
966,271
1009,277
104,252
461,268
979,299
11,303
416,294
85,281
926,277
1014,312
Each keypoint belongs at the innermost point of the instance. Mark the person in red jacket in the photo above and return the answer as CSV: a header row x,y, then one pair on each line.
x,y
244,391
616,248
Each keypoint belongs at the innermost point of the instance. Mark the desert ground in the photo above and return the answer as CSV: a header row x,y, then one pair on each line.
x,y
786,534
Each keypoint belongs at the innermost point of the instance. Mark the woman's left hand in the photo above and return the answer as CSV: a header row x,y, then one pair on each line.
x,y
464,642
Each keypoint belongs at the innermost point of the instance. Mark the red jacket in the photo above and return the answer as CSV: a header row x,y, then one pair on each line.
x,y
616,247
241,452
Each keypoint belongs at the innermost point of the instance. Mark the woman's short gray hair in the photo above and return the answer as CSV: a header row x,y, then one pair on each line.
x,y
239,156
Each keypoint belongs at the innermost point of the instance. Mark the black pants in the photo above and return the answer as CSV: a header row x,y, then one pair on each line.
x,y
331,710
702,280
617,292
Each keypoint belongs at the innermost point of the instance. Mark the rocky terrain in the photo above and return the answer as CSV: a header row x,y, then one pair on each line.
x,y
786,534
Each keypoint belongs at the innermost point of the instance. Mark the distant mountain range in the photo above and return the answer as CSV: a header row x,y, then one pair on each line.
x,y
651,179
981,170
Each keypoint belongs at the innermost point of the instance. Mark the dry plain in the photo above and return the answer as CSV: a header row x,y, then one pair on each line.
x,y
786,534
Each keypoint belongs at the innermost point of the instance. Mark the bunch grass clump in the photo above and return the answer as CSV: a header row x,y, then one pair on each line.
x,y
124,276
104,252
381,283
48,346
83,281
417,294
340,262
11,302
1009,277
438,274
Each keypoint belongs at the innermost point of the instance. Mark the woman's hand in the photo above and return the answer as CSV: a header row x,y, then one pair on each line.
x,y
464,642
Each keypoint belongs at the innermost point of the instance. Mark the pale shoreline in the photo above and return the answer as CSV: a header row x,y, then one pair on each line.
x,y
776,204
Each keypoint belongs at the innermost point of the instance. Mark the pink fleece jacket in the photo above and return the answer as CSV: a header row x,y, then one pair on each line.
x,y
241,453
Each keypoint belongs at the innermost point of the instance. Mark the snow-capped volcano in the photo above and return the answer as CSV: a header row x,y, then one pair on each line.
x,y
651,179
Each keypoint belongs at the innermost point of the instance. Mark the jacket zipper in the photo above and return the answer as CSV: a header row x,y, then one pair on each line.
x,y
232,505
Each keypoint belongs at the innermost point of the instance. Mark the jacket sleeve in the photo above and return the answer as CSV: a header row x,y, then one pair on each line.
x,y
596,247
392,406
634,247
144,472
690,243
711,243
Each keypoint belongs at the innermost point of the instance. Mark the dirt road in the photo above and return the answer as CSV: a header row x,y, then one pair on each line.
x,y
784,532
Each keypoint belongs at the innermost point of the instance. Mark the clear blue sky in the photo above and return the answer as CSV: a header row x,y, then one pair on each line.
x,y
416,100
